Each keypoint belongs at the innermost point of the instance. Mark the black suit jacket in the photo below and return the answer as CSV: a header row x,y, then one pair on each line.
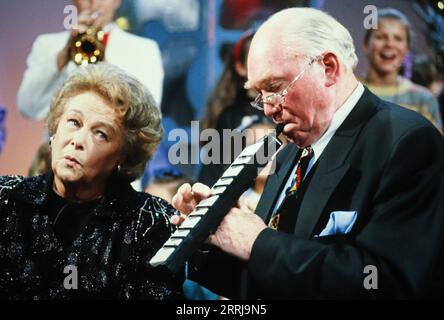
x,y
386,163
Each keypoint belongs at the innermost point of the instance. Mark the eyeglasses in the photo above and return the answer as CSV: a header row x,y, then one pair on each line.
x,y
279,98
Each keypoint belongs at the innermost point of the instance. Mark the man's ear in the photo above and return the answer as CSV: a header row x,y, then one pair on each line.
x,y
241,69
332,68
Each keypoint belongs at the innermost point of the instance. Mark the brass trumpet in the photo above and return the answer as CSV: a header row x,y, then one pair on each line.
x,y
87,47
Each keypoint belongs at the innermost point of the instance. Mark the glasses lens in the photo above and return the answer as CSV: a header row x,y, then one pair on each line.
x,y
258,103
273,99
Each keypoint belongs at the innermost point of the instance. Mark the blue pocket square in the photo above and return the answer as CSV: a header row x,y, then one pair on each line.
x,y
340,222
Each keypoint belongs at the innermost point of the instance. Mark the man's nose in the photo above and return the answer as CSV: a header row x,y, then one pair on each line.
x,y
271,109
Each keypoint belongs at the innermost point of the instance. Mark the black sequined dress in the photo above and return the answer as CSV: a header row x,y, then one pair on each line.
x,y
51,248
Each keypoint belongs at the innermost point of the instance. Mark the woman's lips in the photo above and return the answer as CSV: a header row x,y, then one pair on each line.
x,y
72,161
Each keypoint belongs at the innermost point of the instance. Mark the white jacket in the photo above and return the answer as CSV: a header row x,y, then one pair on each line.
x,y
138,56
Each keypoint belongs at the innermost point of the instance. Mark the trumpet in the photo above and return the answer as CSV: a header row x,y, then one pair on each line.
x,y
87,47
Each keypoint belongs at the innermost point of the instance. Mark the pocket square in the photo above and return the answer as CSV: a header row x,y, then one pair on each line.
x,y
340,222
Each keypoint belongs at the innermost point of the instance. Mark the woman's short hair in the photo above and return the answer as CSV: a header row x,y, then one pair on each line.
x,y
133,102
391,13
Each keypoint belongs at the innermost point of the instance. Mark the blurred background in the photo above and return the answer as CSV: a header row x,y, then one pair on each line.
x,y
193,35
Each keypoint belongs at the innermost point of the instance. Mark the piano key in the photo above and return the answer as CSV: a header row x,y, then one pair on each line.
x,y
198,213
242,160
208,202
233,171
252,149
181,233
190,222
173,242
218,189
161,256
224,181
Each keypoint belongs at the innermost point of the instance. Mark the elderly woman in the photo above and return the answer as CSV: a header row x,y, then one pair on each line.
x,y
81,231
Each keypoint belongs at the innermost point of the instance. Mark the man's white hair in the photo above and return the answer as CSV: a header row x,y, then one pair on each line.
x,y
312,32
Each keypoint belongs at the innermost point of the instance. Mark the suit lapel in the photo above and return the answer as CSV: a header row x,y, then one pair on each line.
x,y
333,165
285,161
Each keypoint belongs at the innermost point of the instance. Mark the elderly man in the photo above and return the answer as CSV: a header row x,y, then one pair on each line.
x,y
356,206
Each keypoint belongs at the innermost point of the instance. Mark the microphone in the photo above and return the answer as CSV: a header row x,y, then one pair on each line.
x,y
246,122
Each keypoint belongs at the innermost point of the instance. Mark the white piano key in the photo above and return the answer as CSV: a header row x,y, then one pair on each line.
x,y
242,160
182,233
251,150
218,189
233,171
223,181
208,202
199,212
190,222
173,242
161,256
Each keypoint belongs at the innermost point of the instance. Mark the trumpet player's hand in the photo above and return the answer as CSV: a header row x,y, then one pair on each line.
x,y
187,198
84,21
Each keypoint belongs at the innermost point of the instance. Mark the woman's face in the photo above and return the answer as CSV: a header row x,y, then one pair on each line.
x,y
87,146
387,46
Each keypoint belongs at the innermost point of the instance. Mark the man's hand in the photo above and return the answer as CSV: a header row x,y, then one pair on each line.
x,y
237,232
187,198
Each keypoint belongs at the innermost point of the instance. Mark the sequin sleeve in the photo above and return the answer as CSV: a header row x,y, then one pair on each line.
x,y
153,229
7,183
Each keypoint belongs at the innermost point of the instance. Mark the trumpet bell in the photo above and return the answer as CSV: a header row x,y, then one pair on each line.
x,y
87,47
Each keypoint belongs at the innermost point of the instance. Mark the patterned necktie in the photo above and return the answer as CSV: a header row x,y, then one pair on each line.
x,y
301,169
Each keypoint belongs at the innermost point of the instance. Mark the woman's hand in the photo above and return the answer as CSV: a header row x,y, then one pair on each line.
x,y
187,198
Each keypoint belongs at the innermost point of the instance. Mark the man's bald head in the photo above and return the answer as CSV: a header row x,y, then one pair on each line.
x,y
306,31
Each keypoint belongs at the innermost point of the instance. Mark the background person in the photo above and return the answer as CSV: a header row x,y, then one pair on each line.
x,y
229,107
48,63
386,47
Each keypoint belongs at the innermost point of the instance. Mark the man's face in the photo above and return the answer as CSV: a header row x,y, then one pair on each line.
x,y
104,9
308,107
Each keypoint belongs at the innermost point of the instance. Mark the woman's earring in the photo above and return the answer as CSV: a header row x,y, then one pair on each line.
x,y
51,139
118,168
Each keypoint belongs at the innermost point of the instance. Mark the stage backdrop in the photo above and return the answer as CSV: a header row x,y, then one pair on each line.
x,y
20,23
23,20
